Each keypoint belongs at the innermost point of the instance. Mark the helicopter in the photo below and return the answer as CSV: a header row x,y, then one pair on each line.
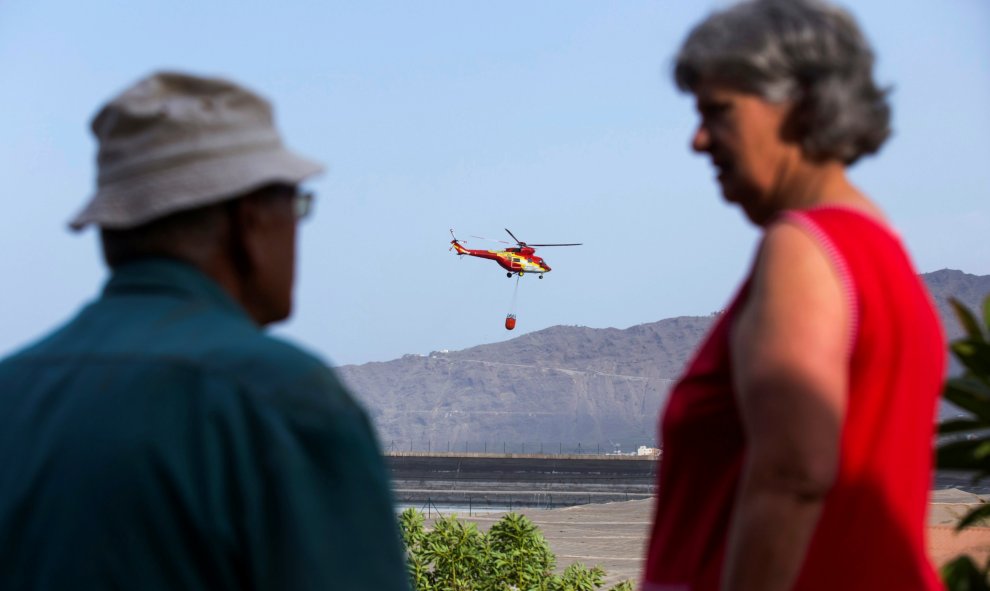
x,y
516,260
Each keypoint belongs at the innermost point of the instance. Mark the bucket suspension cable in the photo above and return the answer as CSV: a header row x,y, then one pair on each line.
x,y
510,318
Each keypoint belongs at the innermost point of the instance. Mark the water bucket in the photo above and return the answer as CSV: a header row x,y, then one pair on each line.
x,y
510,322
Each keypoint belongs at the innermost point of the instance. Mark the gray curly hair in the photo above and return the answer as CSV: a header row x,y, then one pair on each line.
x,y
805,51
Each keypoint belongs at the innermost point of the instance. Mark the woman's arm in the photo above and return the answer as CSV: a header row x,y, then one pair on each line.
x,y
790,356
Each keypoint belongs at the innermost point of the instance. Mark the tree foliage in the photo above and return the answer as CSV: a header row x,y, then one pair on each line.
x,y
512,555
966,440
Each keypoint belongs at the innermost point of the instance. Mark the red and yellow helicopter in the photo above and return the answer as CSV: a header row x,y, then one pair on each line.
x,y
516,260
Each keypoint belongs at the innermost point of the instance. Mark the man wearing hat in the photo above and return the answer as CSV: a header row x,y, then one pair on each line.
x,y
160,440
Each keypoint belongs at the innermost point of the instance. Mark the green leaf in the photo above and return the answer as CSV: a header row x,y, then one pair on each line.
x,y
968,454
975,355
961,425
968,320
974,516
971,386
969,394
962,574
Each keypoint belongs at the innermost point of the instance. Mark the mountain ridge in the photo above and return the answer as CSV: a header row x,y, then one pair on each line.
x,y
558,384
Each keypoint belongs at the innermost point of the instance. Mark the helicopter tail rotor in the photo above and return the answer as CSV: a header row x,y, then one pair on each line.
x,y
455,244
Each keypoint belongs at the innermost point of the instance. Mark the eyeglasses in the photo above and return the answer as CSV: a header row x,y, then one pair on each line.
x,y
302,203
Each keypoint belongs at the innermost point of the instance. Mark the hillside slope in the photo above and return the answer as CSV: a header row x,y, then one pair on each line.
x,y
564,384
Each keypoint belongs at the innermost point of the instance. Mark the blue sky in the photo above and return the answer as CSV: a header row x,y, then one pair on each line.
x,y
555,119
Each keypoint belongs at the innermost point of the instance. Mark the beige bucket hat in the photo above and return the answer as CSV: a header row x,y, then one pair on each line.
x,y
174,142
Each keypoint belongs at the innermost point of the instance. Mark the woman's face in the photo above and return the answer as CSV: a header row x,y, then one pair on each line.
x,y
744,136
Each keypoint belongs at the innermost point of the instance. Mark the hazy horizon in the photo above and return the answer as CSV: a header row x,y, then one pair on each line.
x,y
557,120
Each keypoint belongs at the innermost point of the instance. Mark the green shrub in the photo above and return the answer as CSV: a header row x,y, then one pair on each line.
x,y
512,556
966,441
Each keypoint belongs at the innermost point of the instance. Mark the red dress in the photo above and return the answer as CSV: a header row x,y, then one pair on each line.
x,y
871,533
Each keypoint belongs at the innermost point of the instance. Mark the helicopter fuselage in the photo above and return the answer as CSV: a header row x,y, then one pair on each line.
x,y
514,260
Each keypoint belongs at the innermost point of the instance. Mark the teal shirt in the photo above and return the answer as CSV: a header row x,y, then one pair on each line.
x,y
160,440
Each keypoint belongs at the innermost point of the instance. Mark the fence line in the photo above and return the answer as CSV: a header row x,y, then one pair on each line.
x,y
485,504
519,447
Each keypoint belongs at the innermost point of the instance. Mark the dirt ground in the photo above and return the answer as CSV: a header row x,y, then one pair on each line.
x,y
613,535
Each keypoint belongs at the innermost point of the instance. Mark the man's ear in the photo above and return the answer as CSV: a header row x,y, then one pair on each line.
x,y
243,216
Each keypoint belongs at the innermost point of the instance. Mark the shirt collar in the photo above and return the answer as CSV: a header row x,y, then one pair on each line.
x,y
170,276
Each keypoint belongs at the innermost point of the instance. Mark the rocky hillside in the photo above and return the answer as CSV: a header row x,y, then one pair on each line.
x,y
970,289
561,384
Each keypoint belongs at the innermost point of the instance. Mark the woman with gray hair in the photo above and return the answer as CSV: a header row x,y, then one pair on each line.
x,y
797,445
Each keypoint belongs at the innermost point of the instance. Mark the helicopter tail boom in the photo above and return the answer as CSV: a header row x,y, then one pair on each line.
x,y
456,245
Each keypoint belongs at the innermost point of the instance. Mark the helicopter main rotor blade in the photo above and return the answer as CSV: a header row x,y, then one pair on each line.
x,y
571,244
490,239
518,241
